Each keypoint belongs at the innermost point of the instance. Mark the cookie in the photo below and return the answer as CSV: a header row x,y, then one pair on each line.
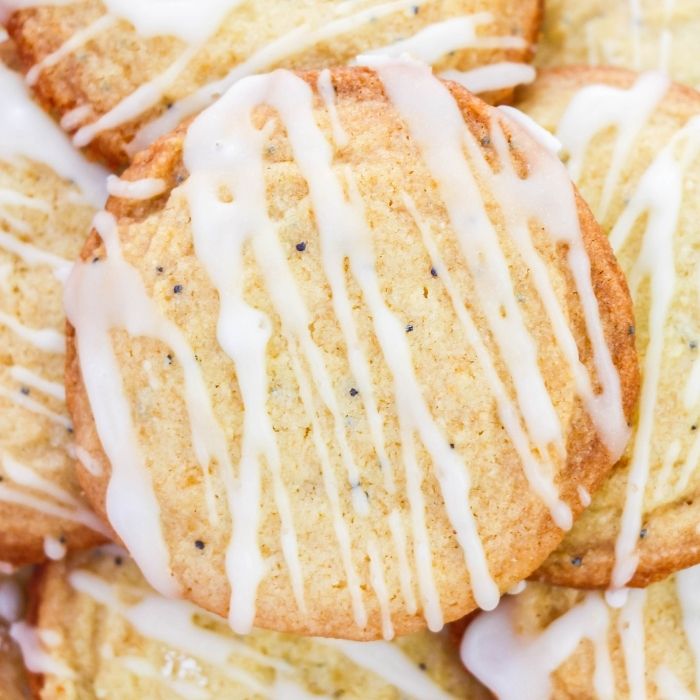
x,y
332,326
48,196
551,643
639,35
637,163
114,637
121,73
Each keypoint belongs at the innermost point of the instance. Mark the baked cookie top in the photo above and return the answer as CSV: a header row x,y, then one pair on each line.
x,y
639,35
632,144
351,370
551,643
122,72
113,637
48,195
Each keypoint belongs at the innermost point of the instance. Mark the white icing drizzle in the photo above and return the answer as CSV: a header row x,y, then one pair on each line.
x,y
87,460
144,97
391,664
376,577
29,378
54,548
146,188
11,600
630,626
584,496
61,504
688,591
77,40
496,76
518,667
670,687
100,296
26,131
436,40
596,108
518,588
17,397
540,134
327,92
31,254
33,645
45,339
75,117
616,597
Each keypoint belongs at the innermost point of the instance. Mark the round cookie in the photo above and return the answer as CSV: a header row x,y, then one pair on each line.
x,y
339,325
551,643
637,163
639,35
44,218
117,639
123,72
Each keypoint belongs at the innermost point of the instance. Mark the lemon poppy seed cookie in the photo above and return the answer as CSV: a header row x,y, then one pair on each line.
x,y
123,72
44,219
349,368
639,35
633,147
113,637
550,643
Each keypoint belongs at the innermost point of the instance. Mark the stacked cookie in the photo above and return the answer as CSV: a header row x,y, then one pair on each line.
x,y
347,352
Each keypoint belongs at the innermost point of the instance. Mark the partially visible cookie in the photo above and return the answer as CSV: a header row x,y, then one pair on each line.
x,y
632,144
551,643
120,73
48,196
349,369
112,637
635,34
